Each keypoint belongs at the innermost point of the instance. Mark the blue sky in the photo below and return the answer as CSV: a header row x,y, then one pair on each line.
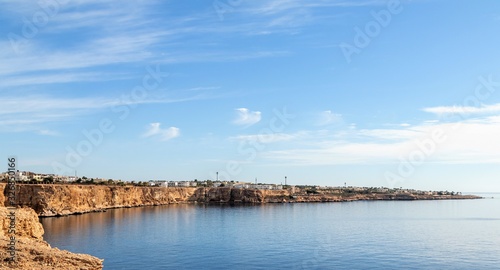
x,y
367,92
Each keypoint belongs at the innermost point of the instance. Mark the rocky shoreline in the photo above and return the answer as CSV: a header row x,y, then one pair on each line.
x,y
51,200
31,251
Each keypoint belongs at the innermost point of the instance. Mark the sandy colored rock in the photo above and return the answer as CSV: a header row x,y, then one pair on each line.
x,y
34,253
55,200
2,196
38,255
67,199
27,224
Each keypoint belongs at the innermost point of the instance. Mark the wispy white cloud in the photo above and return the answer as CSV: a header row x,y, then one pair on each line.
x,y
44,104
33,112
116,32
405,133
47,132
110,33
328,117
464,110
55,78
246,118
270,7
268,138
154,130
465,142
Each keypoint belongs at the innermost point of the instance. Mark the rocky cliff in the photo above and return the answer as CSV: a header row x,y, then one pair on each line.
x,y
31,251
235,195
55,200
58,200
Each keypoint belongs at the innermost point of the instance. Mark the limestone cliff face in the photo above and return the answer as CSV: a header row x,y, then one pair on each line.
x,y
31,251
52,200
233,195
27,224
2,196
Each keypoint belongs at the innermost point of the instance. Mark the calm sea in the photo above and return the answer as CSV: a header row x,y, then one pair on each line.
x,y
461,234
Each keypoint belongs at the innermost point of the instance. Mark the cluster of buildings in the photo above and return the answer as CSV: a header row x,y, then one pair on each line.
x,y
382,190
258,186
31,177
163,183
26,176
209,183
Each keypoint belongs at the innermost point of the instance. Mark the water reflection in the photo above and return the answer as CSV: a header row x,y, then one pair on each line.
x,y
356,235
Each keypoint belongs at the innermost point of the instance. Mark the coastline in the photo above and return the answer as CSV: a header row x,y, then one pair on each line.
x,y
52,200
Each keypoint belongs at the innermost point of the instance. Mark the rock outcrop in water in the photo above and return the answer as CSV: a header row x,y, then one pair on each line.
x,y
31,251
57,200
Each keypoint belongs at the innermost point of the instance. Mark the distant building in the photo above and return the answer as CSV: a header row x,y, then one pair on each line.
x,y
258,186
21,176
179,184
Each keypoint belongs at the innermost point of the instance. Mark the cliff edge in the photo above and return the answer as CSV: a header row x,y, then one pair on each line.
x,y
31,251
58,200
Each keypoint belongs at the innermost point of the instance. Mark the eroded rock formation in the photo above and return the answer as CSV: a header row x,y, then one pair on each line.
x,y
56,200
31,251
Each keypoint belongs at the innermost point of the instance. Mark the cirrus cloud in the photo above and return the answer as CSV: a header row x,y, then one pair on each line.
x,y
471,141
459,110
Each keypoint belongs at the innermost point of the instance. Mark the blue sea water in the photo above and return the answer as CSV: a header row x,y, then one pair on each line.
x,y
458,234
